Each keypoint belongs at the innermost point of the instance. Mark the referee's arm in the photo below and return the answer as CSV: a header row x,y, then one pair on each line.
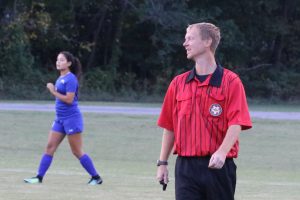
x,y
218,158
166,148
167,144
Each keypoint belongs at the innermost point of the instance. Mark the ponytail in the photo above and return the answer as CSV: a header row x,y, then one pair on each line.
x,y
76,68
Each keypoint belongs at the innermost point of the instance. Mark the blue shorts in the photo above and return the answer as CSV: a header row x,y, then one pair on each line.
x,y
69,126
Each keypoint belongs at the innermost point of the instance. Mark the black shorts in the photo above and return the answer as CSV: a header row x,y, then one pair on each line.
x,y
195,181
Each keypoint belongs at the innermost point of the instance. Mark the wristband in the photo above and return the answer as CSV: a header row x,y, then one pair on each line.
x,y
160,162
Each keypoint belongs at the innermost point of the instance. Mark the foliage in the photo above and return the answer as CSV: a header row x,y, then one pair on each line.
x,y
135,47
16,59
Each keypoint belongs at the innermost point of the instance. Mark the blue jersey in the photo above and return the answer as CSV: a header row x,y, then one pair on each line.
x,y
64,84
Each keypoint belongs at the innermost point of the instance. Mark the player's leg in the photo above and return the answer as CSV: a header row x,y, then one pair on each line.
x,y
54,140
56,135
75,141
74,128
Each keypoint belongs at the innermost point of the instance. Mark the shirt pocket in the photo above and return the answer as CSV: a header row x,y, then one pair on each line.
x,y
184,104
215,106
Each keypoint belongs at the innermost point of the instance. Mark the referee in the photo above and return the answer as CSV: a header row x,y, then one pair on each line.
x,y
202,115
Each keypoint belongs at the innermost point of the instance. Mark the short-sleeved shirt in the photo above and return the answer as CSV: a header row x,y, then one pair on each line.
x,y
63,85
199,113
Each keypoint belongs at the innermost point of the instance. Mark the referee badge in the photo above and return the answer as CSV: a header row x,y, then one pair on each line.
x,y
215,109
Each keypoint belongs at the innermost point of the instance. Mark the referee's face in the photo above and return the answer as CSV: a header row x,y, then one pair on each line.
x,y
62,63
193,43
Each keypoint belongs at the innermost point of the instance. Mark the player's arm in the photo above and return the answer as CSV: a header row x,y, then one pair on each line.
x,y
218,158
166,148
68,98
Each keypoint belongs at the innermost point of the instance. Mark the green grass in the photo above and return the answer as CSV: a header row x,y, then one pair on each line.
x,y
268,165
125,149
275,107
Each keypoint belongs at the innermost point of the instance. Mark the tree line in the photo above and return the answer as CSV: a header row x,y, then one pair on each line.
x,y
131,49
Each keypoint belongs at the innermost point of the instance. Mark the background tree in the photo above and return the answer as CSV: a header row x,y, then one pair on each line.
x,y
130,49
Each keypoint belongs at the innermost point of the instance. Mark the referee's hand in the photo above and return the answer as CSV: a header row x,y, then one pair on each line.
x,y
162,174
217,160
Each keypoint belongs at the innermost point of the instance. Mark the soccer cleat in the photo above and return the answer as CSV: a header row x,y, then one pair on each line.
x,y
33,180
95,181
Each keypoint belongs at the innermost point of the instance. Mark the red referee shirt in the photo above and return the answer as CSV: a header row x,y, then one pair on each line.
x,y
199,114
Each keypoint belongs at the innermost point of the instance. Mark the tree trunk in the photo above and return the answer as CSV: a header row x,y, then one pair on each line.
x,y
116,51
14,9
101,14
279,40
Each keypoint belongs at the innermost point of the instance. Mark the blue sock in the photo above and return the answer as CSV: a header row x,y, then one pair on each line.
x,y
44,164
88,165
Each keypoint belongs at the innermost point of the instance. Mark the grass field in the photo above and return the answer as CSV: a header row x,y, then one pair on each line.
x,y
125,148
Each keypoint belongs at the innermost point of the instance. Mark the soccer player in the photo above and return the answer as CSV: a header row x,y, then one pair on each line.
x,y
68,120
202,115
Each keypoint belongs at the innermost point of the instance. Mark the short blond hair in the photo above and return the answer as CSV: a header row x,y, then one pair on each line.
x,y
207,31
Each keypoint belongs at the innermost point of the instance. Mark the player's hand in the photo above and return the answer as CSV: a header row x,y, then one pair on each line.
x,y
217,160
162,174
50,87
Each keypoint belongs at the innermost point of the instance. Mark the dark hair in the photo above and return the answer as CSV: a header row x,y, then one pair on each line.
x,y
75,67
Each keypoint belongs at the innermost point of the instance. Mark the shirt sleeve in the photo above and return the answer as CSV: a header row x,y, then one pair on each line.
x,y
72,85
238,112
165,119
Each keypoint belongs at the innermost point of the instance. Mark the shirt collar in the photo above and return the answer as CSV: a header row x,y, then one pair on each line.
x,y
215,79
